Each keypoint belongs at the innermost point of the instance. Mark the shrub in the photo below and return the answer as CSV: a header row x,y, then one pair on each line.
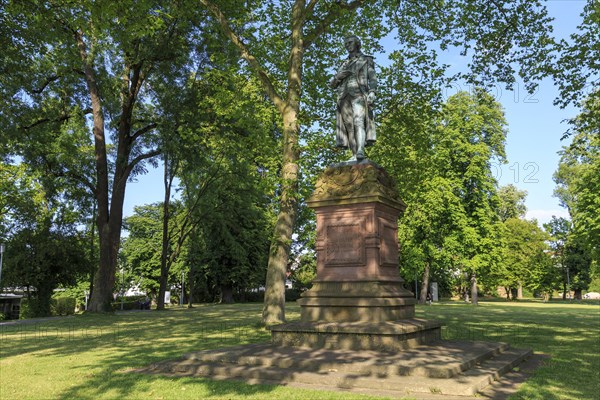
x,y
26,310
63,305
292,294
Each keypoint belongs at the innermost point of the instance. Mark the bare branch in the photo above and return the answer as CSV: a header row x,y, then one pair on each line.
x,y
310,8
69,174
48,81
62,118
140,158
143,130
246,55
328,19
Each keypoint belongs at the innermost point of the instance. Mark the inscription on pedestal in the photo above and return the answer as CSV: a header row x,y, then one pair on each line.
x,y
344,245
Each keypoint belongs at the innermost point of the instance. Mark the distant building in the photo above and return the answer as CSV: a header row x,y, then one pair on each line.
x,y
10,305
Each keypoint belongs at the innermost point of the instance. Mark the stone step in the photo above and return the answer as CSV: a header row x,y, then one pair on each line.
x,y
325,372
442,360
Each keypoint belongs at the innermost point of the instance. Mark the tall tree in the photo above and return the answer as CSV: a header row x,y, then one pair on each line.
x,y
234,233
89,64
578,182
290,46
141,249
474,132
525,262
430,230
39,222
570,254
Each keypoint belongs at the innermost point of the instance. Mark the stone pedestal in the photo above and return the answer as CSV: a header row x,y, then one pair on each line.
x,y
357,300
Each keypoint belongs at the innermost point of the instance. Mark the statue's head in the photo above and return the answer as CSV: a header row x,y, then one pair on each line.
x,y
351,41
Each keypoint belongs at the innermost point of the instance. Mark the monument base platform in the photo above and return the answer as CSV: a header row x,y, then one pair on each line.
x,y
440,370
379,336
367,301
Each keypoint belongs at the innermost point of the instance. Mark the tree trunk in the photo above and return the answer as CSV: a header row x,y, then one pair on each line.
x,y
424,285
39,305
564,291
520,291
104,279
226,294
110,240
474,297
577,294
507,290
164,265
93,265
274,305
191,281
110,202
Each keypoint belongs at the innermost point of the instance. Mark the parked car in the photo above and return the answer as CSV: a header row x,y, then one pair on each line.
x,y
592,296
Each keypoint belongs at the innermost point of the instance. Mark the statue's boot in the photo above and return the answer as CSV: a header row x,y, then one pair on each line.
x,y
361,137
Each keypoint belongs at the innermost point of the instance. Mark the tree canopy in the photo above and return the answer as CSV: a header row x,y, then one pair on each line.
x,y
93,92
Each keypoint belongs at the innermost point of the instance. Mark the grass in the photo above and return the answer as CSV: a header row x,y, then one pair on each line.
x,y
85,356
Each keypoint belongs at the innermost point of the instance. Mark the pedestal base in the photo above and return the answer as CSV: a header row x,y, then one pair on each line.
x,y
357,300
373,301
382,336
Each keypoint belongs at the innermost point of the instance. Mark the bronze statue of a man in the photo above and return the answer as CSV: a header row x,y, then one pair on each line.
x,y
356,85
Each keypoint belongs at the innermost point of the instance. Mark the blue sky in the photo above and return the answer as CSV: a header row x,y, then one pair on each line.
x,y
535,127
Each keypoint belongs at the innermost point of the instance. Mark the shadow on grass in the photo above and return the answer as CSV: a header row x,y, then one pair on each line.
x,y
95,350
106,345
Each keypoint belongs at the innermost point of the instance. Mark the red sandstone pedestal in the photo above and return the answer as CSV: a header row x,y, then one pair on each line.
x,y
357,300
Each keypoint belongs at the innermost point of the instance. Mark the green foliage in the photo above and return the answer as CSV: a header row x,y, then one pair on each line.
x,y
578,262
43,248
63,305
141,250
578,182
43,259
27,309
141,67
575,71
304,273
235,233
444,175
578,189
78,90
511,202
570,254
525,259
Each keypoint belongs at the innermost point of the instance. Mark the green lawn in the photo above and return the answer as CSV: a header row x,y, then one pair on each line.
x,y
85,356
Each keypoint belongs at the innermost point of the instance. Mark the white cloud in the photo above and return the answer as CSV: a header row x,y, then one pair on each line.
x,y
544,216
